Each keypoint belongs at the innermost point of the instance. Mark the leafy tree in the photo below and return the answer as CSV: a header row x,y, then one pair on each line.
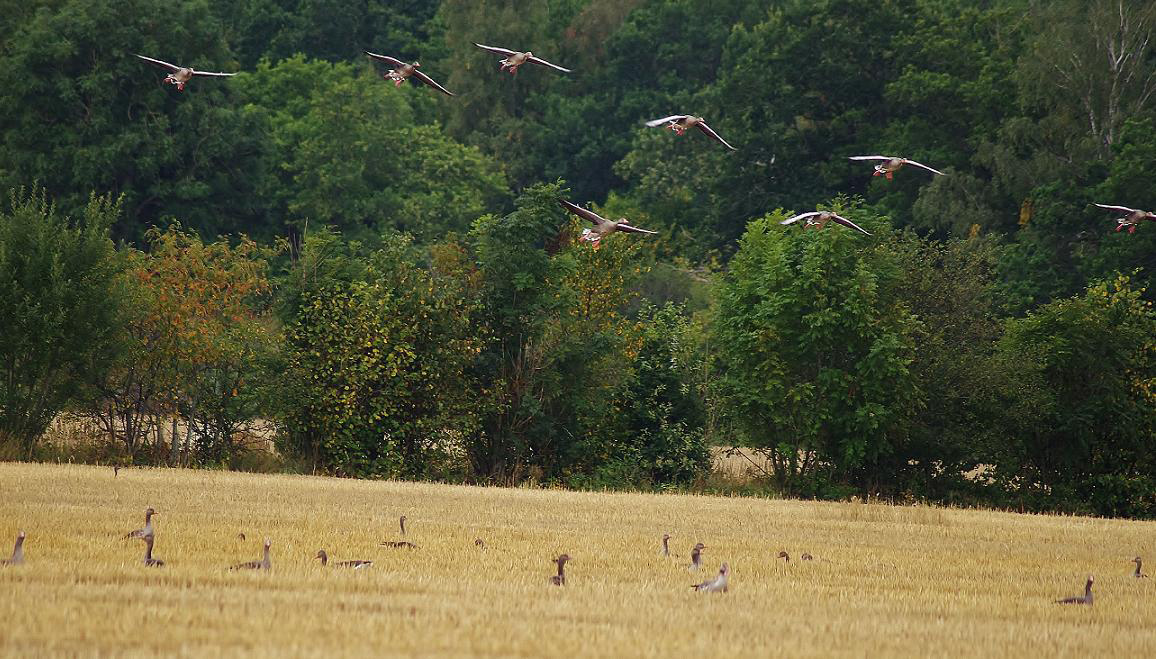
x,y
60,293
816,350
1084,416
374,368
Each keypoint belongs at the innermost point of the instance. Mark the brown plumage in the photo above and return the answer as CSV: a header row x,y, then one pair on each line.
x,y
560,578
696,556
148,557
602,226
1085,599
263,564
402,71
785,556
1139,574
399,544
180,75
355,564
145,532
17,552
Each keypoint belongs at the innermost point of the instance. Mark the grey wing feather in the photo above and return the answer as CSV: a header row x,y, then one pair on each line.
x,y
802,216
664,120
917,164
212,73
1116,208
710,132
629,228
495,49
849,224
539,60
582,212
869,158
430,81
392,61
171,67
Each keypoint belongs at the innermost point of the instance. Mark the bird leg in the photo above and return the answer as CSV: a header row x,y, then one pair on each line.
x,y
1132,229
678,130
1120,226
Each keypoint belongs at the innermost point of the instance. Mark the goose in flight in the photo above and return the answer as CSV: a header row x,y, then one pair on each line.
x,y
263,564
401,71
680,123
356,565
513,59
716,585
1086,598
179,75
1132,217
602,226
147,531
819,219
892,164
17,552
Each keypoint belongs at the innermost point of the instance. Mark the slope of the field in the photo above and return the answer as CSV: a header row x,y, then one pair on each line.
x,y
886,580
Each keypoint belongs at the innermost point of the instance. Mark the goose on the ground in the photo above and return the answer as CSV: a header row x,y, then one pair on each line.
x,y
1139,573
892,164
1132,218
807,557
179,75
148,557
696,556
665,551
819,219
785,556
1086,598
263,564
560,578
716,585
680,123
399,544
17,552
402,523
602,226
147,530
402,71
354,564
513,59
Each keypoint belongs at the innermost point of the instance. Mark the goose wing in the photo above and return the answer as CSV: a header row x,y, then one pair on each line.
x,y
869,158
713,135
629,228
849,224
495,49
212,73
170,67
917,164
356,565
431,82
539,60
1123,209
801,216
666,120
583,212
251,565
392,61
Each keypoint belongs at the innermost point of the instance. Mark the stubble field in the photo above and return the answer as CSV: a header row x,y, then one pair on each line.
x,y
886,580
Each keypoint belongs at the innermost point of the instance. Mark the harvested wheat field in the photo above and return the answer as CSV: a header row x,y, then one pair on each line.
x,y
885,580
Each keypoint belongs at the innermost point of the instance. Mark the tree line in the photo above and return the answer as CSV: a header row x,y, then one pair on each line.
x,y
385,274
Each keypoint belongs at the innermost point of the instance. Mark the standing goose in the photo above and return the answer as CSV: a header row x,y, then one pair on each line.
x,y
514,59
356,565
263,564
785,556
807,557
892,164
17,552
1139,574
602,226
560,578
401,71
680,123
1133,218
665,551
716,585
179,75
402,523
147,531
1086,598
696,557
148,557
819,219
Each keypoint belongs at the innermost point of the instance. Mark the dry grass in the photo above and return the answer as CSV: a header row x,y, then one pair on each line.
x,y
892,580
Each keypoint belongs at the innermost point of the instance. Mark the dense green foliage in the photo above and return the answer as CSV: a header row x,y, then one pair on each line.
x,y
432,313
